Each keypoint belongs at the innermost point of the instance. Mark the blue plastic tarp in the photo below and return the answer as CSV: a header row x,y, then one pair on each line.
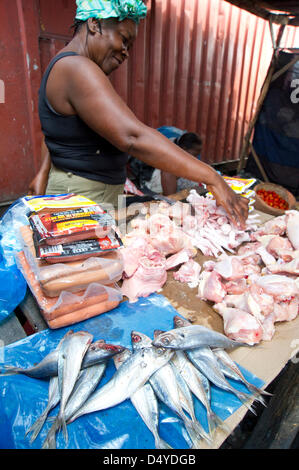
x,y
22,399
13,286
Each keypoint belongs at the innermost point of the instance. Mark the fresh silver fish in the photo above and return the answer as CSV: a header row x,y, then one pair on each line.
x,y
194,336
53,400
195,382
231,370
70,357
131,375
86,384
206,362
166,388
146,404
99,351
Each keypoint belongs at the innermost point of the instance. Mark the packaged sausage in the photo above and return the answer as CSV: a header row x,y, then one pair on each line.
x,y
71,225
79,250
69,308
71,276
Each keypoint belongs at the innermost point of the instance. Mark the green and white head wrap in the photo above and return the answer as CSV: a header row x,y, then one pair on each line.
x,y
121,9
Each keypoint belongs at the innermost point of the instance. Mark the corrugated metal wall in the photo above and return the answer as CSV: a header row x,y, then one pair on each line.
x,y
198,65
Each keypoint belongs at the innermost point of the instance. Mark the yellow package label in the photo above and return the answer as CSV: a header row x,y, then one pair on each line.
x,y
239,185
61,201
72,224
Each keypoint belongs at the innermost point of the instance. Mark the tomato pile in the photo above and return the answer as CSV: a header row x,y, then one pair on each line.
x,y
271,198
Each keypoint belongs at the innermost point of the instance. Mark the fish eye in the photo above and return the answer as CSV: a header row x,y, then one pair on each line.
x,y
166,341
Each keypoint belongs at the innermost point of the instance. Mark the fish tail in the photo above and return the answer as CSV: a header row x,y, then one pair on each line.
x,y
215,422
50,441
62,425
11,370
200,430
161,444
244,397
194,435
256,390
37,426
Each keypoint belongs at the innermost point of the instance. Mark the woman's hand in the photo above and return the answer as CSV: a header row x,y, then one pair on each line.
x,y
38,185
235,205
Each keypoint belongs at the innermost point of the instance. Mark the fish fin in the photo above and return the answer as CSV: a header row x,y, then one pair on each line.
x,y
37,426
193,434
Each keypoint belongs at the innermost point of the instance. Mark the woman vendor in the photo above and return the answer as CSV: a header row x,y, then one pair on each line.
x,y
89,130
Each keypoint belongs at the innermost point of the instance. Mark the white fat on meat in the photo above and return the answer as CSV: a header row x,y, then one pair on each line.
x,y
292,228
189,273
239,324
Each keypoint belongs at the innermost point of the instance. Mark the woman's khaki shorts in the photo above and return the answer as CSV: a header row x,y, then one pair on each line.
x,y
61,182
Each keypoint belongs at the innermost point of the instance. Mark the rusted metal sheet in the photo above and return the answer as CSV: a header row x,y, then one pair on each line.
x,y
20,74
198,65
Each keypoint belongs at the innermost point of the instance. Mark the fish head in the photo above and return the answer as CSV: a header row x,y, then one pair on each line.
x,y
140,340
122,357
167,340
101,346
158,333
179,322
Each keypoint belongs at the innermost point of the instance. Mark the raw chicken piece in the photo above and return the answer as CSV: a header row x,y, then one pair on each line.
x,y
248,248
260,304
292,228
285,268
189,273
230,268
150,277
279,245
286,311
267,258
210,287
268,327
239,324
235,287
180,257
275,226
132,253
168,240
280,287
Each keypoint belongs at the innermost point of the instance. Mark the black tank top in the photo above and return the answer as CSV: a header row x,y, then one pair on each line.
x,y
76,148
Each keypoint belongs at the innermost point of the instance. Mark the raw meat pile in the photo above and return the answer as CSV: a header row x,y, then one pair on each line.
x,y
258,286
252,288
170,237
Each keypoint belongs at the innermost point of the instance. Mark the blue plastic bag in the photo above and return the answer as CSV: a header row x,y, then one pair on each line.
x,y
23,399
13,286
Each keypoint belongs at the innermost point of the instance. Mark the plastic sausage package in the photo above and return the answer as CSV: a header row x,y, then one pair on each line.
x,y
68,294
70,270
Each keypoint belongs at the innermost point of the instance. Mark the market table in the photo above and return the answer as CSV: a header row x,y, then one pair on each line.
x,y
265,360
